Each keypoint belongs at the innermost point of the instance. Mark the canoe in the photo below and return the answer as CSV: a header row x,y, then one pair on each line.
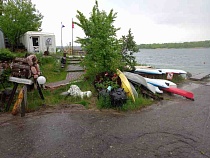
x,y
181,92
126,85
139,80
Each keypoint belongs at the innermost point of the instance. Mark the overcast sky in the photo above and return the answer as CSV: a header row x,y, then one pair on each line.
x,y
151,21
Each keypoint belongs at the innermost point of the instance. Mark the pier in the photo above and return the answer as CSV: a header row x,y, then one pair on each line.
x,y
200,76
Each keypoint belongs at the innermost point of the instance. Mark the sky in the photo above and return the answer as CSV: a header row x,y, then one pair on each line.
x,y
150,21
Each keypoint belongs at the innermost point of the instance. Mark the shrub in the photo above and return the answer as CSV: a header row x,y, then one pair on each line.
x,y
6,55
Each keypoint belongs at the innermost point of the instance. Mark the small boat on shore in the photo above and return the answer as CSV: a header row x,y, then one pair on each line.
x,y
174,71
148,71
126,84
181,92
158,71
139,80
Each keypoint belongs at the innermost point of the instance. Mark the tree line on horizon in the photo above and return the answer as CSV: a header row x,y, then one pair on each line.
x,y
196,44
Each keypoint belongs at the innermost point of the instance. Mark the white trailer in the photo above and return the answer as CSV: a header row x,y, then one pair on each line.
x,y
39,42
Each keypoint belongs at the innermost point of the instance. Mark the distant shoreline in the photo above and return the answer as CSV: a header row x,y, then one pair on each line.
x,y
198,44
179,48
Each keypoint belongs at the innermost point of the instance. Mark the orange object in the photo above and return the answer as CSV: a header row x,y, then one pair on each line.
x,y
17,103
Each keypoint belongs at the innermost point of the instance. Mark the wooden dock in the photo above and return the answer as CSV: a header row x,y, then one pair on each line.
x,y
200,76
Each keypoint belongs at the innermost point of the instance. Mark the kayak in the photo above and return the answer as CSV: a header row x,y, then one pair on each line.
x,y
157,82
139,80
126,85
175,71
181,92
148,71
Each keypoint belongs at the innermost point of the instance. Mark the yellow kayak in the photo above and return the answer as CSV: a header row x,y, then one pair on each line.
x,y
126,85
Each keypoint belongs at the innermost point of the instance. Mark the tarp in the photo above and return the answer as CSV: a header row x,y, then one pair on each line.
x,y
2,44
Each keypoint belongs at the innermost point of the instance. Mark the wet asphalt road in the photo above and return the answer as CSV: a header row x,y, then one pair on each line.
x,y
177,128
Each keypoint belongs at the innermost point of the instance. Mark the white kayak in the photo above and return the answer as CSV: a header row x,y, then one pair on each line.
x,y
175,71
161,83
148,71
154,89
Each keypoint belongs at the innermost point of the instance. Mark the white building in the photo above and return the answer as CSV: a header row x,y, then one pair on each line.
x,y
35,41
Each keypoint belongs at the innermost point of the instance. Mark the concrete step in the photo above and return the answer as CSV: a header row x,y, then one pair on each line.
x,y
200,76
74,68
73,59
71,76
73,62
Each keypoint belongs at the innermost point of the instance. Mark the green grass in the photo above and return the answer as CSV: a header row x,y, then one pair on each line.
x,y
54,97
140,102
51,68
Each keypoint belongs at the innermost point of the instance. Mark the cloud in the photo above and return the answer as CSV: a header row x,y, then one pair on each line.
x,y
151,21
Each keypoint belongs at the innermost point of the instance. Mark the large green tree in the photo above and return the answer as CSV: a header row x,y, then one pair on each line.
x,y
129,47
100,41
18,17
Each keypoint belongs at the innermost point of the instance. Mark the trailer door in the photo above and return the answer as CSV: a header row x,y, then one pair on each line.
x,y
36,43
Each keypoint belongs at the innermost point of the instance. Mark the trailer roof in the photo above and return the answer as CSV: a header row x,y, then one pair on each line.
x,y
38,33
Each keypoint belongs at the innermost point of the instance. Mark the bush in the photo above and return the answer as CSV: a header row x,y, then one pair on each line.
x,y
6,55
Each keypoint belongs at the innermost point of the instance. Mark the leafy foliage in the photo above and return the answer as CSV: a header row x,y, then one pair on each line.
x,y
18,17
101,43
128,48
6,55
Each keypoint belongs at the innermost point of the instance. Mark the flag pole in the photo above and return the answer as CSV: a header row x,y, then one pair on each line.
x,y
61,37
72,26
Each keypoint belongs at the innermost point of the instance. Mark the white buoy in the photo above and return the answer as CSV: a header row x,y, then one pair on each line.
x,y
41,80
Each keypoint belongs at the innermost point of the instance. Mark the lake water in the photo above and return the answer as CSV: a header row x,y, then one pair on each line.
x,y
191,60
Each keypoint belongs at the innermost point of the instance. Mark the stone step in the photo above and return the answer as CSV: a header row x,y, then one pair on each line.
x,y
73,62
71,76
74,68
73,59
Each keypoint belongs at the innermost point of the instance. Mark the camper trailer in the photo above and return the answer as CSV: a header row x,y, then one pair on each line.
x,y
39,42
2,43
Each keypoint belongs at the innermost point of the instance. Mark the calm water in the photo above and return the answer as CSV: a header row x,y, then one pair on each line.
x,y
191,60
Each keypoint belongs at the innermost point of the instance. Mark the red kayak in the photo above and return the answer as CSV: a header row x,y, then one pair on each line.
x,y
188,95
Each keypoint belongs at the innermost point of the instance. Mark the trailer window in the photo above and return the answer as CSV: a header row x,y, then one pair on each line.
x,y
35,41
